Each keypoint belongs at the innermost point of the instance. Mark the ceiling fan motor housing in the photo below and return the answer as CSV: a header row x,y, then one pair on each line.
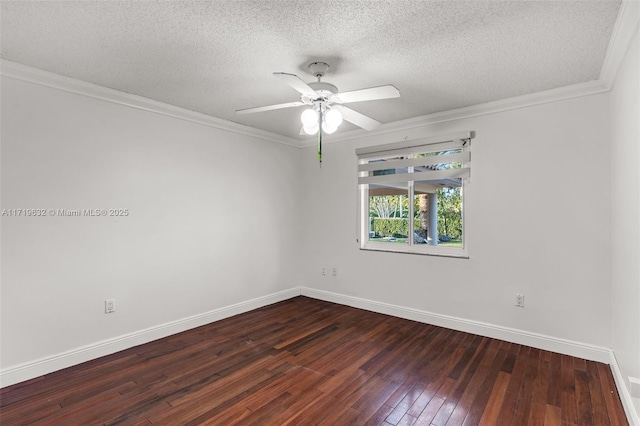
x,y
324,89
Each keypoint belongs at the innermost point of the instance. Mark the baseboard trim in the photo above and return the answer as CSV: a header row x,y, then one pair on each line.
x,y
46,365
40,367
625,395
540,341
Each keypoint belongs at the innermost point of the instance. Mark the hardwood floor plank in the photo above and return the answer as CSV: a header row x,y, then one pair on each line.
x,y
454,397
567,374
492,407
305,399
540,391
440,385
379,416
523,406
234,417
507,410
306,361
580,364
406,420
583,398
369,404
479,398
30,415
537,414
430,411
554,388
307,336
476,393
463,362
215,396
545,356
81,411
611,397
568,407
598,405
552,416
344,412
141,417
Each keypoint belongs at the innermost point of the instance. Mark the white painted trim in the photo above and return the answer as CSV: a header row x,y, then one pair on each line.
x,y
37,76
541,341
627,25
554,95
536,340
634,387
33,369
32,75
625,395
625,29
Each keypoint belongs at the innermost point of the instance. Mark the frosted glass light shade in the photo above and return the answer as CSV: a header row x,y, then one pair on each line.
x,y
309,118
310,130
328,129
333,117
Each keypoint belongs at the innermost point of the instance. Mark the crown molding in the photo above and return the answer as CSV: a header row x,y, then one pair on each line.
x,y
40,77
624,30
523,101
626,27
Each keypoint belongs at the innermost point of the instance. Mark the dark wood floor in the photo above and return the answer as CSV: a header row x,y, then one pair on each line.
x,y
305,361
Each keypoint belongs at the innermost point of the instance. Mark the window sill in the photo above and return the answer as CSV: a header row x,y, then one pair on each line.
x,y
459,253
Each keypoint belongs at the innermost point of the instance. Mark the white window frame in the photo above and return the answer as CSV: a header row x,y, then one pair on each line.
x,y
409,147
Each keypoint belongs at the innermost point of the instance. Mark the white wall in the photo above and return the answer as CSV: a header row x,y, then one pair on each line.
x,y
211,220
537,223
625,205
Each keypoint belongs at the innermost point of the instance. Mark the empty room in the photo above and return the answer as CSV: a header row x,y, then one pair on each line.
x,y
320,212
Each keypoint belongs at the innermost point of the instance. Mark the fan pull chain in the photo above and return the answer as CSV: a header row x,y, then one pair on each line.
x,y
320,138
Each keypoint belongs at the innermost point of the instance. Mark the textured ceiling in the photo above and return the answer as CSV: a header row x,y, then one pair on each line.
x,y
218,56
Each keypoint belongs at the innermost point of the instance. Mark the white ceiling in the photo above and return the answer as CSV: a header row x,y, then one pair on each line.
x,y
218,56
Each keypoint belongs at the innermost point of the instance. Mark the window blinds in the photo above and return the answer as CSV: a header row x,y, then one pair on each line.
x,y
428,159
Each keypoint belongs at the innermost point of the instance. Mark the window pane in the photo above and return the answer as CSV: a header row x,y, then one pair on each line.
x,y
439,161
438,213
410,196
389,213
438,199
380,162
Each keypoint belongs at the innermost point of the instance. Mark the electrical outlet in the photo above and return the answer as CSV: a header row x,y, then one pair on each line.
x,y
109,306
324,270
520,300
334,271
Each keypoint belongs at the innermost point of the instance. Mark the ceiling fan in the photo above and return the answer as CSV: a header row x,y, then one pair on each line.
x,y
326,110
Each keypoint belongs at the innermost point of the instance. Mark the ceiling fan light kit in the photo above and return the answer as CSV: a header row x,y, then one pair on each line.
x,y
326,112
310,118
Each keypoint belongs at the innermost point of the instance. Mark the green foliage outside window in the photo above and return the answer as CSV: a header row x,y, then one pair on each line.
x,y
390,214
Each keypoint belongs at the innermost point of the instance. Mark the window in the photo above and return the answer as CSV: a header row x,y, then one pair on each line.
x,y
411,195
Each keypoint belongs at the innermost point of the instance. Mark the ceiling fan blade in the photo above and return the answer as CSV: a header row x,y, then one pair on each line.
x,y
269,107
295,82
358,119
370,94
